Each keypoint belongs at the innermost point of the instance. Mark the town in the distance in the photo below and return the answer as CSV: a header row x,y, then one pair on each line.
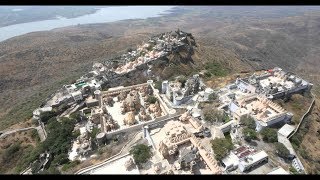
x,y
174,126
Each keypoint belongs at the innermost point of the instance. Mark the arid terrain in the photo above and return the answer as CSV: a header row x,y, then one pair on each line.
x,y
34,65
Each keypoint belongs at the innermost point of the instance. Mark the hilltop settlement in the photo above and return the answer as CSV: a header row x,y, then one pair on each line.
x,y
173,126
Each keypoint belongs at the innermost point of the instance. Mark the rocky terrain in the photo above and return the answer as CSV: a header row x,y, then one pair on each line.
x,y
32,66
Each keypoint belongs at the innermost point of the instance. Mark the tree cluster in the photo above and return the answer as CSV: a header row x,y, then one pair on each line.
x,y
212,115
269,135
141,153
152,99
221,147
281,150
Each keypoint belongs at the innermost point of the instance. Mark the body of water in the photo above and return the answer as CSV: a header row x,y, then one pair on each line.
x,y
103,15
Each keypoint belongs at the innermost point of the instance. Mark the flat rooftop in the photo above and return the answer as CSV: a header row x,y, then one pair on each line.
x,y
276,80
286,130
116,167
259,107
278,170
253,158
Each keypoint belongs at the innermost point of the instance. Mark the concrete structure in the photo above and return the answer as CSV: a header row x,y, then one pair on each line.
x,y
97,94
286,130
278,171
116,166
252,160
232,161
37,112
265,112
177,136
178,94
91,102
207,92
274,83
101,137
93,84
164,86
77,96
283,133
296,163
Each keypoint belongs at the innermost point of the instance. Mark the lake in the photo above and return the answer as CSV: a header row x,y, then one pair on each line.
x,y
103,15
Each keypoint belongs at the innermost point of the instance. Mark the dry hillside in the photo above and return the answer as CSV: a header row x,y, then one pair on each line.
x,y
34,65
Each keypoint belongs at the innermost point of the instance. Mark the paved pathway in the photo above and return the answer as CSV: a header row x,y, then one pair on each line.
x,y
4,134
40,130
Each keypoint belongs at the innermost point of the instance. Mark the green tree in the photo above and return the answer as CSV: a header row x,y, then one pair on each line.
x,y
60,159
76,115
76,133
35,135
129,49
30,156
249,134
221,147
50,170
59,136
212,115
158,85
69,165
212,97
281,150
35,167
141,153
248,121
216,69
94,132
10,152
207,74
45,116
303,153
293,170
269,135
182,80
152,99
295,140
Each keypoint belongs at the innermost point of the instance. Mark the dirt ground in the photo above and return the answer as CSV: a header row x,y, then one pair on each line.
x,y
23,124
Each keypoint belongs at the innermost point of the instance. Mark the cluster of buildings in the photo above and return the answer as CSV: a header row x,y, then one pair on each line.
x,y
156,47
178,151
252,96
118,108
179,93
181,145
113,69
244,158
274,83
265,112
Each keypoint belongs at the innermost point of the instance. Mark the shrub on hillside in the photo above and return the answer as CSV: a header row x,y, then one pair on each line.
x,y
281,150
